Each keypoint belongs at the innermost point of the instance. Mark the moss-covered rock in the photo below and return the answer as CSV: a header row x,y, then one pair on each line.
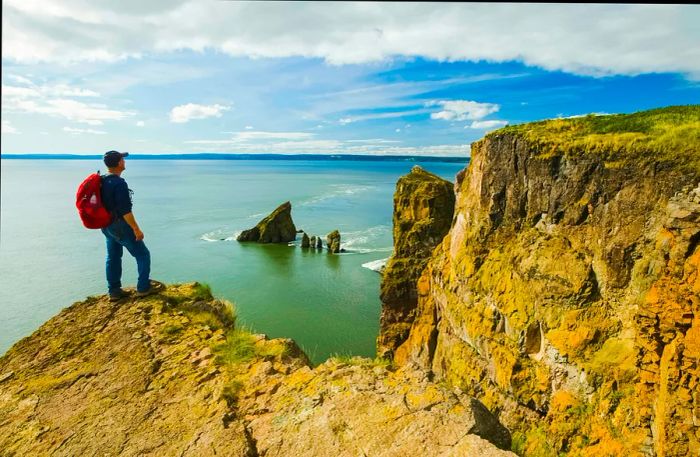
x,y
277,227
423,207
565,296
170,374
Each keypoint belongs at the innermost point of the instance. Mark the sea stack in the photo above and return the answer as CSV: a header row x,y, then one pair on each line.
x,y
278,227
305,241
423,207
333,242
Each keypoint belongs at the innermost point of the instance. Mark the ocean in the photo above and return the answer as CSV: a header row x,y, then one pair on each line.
x,y
190,212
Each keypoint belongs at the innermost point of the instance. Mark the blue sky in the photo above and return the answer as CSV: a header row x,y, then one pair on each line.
x,y
356,78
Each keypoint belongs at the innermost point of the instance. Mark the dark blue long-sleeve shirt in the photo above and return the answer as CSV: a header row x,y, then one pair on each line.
x,y
116,195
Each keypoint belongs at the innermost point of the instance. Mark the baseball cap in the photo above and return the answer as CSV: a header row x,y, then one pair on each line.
x,y
112,158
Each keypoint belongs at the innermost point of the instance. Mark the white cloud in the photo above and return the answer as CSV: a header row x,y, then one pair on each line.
x,y
140,124
561,116
463,110
486,124
397,130
7,128
51,100
582,39
75,131
20,79
304,143
374,141
383,115
185,113
256,137
249,127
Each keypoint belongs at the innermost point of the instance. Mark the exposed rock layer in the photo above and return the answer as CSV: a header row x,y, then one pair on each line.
x,y
566,298
278,227
423,207
168,375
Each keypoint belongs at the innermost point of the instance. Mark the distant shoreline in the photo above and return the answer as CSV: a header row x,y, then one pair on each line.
x,y
316,157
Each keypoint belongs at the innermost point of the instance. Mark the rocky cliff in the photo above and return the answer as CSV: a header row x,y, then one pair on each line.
x,y
171,375
566,293
423,208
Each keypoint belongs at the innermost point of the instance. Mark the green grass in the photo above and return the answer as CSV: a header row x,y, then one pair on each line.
x,y
354,360
238,348
668,135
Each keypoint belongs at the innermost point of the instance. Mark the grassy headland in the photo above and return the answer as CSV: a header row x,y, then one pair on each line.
x,y
663,135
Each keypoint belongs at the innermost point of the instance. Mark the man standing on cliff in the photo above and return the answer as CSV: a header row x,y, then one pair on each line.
x,y
123,232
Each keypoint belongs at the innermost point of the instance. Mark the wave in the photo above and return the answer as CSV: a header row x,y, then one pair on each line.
x,y
220,235
338,190
366,241
376,265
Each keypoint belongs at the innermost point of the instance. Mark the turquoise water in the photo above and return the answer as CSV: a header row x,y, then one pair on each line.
x,y
190,212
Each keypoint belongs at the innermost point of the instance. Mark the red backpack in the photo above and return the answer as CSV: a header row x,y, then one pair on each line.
x,y
89,203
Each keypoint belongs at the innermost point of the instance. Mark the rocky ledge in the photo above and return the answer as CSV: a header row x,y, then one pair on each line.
x,y
170,374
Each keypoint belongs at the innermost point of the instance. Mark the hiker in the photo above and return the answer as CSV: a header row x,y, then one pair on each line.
x,y
123,232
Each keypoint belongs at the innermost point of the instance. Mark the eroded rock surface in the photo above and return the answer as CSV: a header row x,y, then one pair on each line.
x,y
566,295
277,227
170,375
423,208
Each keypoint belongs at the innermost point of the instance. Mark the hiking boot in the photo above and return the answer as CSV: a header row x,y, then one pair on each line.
x,y
118,295
155,287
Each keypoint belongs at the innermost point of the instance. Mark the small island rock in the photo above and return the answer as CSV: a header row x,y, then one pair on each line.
x,y
333,242
278,227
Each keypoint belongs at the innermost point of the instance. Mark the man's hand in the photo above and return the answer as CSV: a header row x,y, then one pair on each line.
x,y
131,220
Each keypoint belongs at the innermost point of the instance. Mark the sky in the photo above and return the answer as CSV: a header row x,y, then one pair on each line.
x,y
181,76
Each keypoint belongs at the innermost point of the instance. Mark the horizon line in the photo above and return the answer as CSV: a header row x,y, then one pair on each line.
x,y
242,156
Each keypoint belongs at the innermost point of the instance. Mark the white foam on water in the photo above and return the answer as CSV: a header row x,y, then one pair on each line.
x,y
365,241
338,190
220,235
376,265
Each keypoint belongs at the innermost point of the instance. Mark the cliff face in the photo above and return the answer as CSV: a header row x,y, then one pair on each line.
x,y
566,294
423,208
170,374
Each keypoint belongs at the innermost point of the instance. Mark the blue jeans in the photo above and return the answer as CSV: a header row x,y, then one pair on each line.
x,y
119,236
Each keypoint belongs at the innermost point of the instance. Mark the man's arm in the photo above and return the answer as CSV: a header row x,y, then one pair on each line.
x,y
129,218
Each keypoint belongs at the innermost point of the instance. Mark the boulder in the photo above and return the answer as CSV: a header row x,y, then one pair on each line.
x,y
278,227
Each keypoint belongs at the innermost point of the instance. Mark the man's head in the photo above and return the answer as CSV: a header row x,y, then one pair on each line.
x,y
114,159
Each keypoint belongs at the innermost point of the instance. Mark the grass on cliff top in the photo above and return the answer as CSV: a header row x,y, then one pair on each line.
x,y
242,346
667,135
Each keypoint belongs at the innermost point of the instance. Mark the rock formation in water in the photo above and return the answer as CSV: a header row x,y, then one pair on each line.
x,y
423,208
169,374
278,227
333,242
566,295
305,242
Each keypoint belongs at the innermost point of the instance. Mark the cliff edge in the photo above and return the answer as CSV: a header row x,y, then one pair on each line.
x,y
170,374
